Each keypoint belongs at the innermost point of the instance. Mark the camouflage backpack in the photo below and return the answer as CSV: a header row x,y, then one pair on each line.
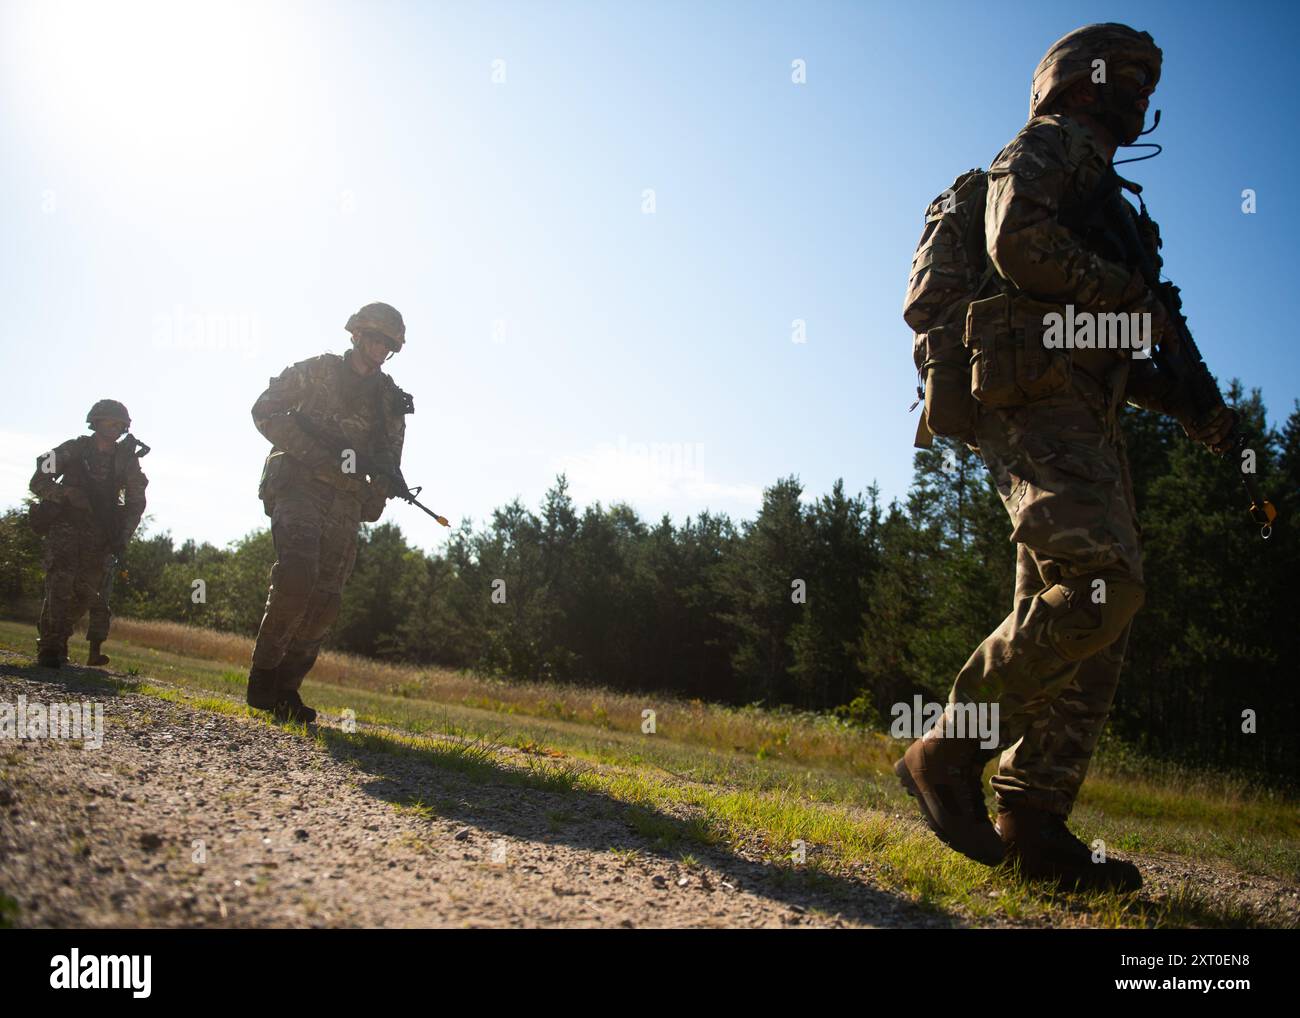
x,y
950,269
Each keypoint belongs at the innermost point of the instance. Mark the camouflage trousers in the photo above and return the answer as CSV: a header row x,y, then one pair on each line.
x,y
314,529
101,610
1053,664
74,559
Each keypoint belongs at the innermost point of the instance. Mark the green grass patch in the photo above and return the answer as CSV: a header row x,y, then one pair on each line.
x,y
717,778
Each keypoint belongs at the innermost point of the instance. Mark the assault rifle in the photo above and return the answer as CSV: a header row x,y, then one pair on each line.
x,y
383,466
117,550
138,449
374,466
1184,363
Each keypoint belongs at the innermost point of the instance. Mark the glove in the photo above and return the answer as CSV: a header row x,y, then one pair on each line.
x,y
1163,333
372,506
1135,292
1215,431
76,498
386,474
1141,299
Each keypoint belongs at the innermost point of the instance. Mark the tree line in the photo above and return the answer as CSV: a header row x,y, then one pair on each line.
x,y
828,603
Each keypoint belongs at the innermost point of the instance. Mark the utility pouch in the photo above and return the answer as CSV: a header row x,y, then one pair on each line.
x,y
272,472
946,369
1010,365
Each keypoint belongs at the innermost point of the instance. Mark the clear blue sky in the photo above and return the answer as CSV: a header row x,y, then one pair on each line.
x,y
195,196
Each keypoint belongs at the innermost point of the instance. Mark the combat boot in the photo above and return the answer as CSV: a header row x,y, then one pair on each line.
x,y
96,657
1046,850
48,658
945,776
289,676
291,708
262,691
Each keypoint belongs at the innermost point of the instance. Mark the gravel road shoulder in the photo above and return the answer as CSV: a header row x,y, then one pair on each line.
x,y
187,816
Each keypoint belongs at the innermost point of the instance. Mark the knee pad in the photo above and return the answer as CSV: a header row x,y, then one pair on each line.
x,y
294,576
1088,613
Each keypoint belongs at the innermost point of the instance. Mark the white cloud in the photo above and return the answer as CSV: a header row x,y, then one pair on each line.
x,y
653,476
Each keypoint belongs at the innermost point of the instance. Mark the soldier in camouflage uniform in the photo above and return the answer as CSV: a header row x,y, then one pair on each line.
x,y
337,424
1056,454
91,492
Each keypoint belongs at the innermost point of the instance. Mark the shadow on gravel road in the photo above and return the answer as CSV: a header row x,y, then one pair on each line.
x,y
526,802
525,805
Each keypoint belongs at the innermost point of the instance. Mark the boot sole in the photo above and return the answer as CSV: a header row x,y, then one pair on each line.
x,y
1082,885
292,715
910,786
282,715
1075,882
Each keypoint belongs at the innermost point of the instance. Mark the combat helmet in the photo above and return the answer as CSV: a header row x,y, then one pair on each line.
x,y
382,318
1070,59
108,410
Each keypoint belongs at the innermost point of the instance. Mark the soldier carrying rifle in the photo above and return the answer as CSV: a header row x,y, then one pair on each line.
x,y
91,492
336,424
1044,231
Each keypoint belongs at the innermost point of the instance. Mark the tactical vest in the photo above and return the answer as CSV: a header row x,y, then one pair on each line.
x,y
948,303
105,493
355,412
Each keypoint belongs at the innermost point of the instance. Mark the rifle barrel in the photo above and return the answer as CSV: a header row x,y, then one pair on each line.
x,y
1189,369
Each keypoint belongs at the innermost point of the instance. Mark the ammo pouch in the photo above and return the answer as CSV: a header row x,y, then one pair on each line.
x,y
946,369
272,476
1010,366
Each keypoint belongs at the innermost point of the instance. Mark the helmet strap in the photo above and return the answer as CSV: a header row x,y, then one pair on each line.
x,y
360,351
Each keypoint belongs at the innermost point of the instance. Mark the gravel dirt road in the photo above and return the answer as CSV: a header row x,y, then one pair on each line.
x,y
192,817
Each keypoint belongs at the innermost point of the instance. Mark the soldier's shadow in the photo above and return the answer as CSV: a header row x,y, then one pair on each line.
x,y
545,806
445,781
74,678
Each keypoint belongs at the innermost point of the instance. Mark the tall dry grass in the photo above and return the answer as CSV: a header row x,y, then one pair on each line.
x,y
816,739
1119,778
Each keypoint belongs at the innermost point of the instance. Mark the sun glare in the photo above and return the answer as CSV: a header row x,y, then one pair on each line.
x,y
193,86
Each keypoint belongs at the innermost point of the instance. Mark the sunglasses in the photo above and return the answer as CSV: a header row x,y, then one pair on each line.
x,y
1139,73
377,337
